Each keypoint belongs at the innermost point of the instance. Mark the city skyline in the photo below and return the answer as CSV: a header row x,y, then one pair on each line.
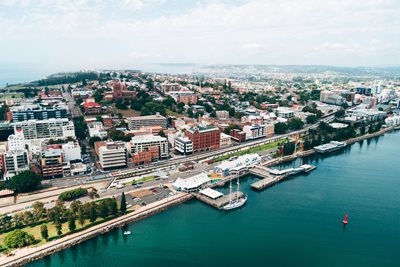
x,y
82,34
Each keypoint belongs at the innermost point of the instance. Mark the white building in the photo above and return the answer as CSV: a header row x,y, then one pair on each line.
x,y
45,129
15,161
254,131
237,165
112,155
392,121
222,114
96,129
225,140
16,141
71,151
183,145
142,143
192,184
283,112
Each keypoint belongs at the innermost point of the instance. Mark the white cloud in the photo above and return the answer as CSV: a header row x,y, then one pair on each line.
x,y
341,32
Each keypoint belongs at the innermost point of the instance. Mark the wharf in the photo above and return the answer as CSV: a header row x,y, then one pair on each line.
x,y
219,202
273,176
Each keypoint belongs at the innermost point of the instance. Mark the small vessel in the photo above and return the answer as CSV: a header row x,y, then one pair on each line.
x,y
239,201
345,219
127,232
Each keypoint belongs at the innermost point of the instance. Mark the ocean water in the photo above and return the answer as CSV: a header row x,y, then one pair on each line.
x,y
295,223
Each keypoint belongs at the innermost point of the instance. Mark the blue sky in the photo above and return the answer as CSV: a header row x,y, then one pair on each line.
x,y
57,35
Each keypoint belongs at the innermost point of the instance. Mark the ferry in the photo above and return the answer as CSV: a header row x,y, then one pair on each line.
x,y
330,147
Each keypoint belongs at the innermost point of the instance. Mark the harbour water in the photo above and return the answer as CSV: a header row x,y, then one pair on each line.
x,y
295,223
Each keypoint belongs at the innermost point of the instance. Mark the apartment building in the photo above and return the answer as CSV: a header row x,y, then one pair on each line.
x,y
135,123
45,129
112,155
147,148
183,145
37,112
52,163
15,161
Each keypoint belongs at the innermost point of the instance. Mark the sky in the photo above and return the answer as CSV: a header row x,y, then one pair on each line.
x,y
57,35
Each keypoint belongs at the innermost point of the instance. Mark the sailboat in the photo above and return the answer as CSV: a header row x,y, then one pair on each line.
x,y
345,219
238,201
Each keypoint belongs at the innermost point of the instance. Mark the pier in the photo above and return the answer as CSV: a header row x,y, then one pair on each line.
x,y
273,176
219,202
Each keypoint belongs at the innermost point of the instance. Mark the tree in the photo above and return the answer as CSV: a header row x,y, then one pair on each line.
x,y
162,134
92,212
25,181
113,206
93,193
169,101
295,124
71,223
340,113
18,239
74,207
103,209
81,216
311,119
58,228
123,203
228,129
38,210
44,231
281,128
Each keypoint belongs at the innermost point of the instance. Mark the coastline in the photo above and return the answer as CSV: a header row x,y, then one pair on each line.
x,y
26,255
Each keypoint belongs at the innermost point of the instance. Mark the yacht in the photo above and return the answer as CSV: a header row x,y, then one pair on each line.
x,y
238,201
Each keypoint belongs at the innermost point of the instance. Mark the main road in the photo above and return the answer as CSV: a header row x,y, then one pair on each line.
x,y
172,163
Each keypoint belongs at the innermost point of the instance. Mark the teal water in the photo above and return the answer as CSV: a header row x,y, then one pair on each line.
x,y
295,223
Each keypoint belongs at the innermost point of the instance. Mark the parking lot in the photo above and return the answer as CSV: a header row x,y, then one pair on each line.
x,y
145,196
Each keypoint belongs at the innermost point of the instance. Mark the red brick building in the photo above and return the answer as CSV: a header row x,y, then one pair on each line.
x,y
120,91
145,157
204,138
238,135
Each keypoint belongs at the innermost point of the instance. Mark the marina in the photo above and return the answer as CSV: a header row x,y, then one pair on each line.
x,y
219,202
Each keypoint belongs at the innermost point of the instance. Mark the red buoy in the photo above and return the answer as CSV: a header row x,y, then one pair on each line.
x,y
345,219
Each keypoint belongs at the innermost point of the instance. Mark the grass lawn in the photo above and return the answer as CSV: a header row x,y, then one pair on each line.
x,y
173,113
35,231
126,113
249,151
144,179
11,95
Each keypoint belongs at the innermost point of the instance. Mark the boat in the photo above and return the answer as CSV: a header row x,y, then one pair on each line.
x,y
238,201
345,219
127,232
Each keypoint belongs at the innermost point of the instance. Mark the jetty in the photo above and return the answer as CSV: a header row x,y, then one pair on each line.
x,y
218,202
273,176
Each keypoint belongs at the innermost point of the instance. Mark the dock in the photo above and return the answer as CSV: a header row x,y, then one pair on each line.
x,y
216,203
273,176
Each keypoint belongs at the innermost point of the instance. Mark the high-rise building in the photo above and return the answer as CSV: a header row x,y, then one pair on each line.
x,y
183,145
45,129
52,163
16,141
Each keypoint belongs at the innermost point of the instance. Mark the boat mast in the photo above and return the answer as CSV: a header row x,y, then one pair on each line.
x,y
237,191
230,192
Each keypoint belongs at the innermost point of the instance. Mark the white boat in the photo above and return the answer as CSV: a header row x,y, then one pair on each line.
x,y
127,232
238,201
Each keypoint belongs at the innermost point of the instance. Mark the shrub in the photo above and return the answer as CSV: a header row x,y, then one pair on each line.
x,y
72,194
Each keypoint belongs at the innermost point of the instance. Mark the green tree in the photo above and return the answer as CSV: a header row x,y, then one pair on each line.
x,y
71,223
58,226
44,231
18,239
162,134
113,206
123,203
228,129
81,216
340,113
311,119
25,181
295,124
39,210
281,128
103,209
92,213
